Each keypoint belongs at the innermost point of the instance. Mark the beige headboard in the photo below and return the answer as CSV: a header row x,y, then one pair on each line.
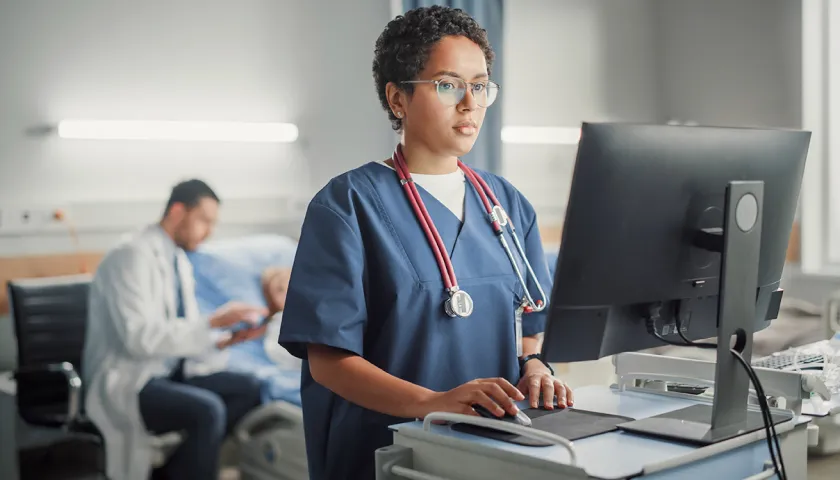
x,y
550,234
37,266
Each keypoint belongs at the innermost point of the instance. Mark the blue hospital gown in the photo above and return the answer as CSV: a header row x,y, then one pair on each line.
x,y
366,281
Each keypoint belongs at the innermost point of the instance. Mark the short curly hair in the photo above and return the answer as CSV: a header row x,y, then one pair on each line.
x,y
403,48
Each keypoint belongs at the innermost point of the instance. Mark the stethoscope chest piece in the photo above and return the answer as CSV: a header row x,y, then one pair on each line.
x,y
459,304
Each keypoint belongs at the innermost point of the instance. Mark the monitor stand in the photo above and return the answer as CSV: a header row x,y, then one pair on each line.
x,y
739,242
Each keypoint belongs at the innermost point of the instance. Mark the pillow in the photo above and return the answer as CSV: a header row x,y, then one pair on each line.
x,y
231,269
254,253
218,281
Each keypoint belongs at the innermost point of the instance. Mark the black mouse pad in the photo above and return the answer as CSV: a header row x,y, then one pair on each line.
x,y
570,423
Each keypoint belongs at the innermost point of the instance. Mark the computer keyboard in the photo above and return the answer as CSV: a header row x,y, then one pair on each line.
x,y
785,360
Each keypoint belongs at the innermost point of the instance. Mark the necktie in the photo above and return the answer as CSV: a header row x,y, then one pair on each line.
x,y
178,373
179,294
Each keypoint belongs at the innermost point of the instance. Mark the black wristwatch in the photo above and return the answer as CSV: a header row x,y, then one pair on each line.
x,y
525,359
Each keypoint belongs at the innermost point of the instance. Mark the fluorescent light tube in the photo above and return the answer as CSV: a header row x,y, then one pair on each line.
x,y
178,131
541,135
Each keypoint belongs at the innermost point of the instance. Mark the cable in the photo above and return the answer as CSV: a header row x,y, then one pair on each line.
x,y
653,316
769,426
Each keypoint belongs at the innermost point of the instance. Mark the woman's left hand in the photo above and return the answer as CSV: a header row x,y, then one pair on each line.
x,y
537,379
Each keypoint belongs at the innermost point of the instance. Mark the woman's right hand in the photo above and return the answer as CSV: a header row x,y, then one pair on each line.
x,y
497,395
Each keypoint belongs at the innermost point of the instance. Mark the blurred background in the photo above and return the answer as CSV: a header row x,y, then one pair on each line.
x,y
306,65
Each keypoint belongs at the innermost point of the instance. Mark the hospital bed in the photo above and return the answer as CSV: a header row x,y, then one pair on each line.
x,y
270,440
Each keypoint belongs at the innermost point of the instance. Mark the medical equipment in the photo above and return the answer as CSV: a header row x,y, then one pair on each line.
x,y
442,452
782,361
459,303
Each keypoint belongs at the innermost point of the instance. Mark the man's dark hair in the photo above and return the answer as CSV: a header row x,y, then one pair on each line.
x,y
403,47
190,193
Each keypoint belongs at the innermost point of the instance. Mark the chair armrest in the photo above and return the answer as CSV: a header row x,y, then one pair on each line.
x,y
74,384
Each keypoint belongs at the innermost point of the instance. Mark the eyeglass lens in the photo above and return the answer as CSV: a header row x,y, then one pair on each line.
x,y
451,91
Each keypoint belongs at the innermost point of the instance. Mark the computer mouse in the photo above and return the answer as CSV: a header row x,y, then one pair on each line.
x,y
520,418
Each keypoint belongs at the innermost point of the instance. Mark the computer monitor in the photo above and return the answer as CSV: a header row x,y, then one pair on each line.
x,y
671,226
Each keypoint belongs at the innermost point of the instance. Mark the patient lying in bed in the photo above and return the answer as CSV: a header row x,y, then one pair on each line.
x,y
275,282
222,277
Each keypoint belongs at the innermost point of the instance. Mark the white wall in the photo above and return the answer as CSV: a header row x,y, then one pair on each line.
x,y
567,61
722,62
731,62
249,60
570,61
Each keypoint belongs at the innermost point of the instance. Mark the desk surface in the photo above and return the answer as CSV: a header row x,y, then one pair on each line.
x,y
611,455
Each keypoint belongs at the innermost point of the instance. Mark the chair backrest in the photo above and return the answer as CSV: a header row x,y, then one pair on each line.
x,y
50,319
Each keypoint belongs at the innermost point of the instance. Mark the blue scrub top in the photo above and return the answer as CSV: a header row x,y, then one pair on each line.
x,y
365,280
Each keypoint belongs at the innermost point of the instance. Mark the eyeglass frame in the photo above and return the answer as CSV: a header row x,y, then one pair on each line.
x,y
469,84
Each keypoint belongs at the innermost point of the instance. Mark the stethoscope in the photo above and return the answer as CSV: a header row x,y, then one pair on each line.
x,y
459,303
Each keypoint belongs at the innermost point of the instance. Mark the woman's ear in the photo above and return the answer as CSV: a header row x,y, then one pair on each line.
x,y
397,99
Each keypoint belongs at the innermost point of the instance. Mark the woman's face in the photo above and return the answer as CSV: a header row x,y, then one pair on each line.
x,y
446,130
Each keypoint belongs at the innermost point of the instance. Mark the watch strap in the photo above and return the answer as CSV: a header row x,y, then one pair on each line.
x,y
530,357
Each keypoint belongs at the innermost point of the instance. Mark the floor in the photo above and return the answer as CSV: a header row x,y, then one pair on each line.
x,y
826,468
74,461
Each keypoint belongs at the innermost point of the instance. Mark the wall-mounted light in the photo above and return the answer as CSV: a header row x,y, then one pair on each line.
x,y
178,131
541,135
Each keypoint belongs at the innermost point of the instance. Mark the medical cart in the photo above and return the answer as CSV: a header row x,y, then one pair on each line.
x,y
430,451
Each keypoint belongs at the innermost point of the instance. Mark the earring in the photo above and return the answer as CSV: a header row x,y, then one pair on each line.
x,y
399,114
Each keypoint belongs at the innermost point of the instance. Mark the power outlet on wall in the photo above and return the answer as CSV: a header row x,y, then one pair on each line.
x,y
33,219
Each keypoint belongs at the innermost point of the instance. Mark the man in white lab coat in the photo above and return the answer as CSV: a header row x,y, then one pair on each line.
x,y
143,323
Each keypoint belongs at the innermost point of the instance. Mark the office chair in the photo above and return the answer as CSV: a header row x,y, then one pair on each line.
x,y
50,320
50,316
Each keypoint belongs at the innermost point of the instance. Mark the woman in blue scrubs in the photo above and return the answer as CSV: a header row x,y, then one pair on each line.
x,y
365,304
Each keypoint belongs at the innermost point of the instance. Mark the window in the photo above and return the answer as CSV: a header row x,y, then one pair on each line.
x,y
820,196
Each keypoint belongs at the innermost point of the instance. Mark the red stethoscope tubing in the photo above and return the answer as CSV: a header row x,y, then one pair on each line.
x,y
498,219
436,242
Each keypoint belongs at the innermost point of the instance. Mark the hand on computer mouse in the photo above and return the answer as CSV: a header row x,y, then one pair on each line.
x,y
520,418
537,381
497,395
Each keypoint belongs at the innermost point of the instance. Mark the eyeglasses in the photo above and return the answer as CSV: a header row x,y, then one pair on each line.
x,y
451,90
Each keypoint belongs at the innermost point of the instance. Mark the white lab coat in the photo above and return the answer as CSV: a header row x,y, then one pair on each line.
x,y
131,332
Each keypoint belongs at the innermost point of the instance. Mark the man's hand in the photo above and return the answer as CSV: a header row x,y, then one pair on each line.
x,y
234,312
537,379
241,336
